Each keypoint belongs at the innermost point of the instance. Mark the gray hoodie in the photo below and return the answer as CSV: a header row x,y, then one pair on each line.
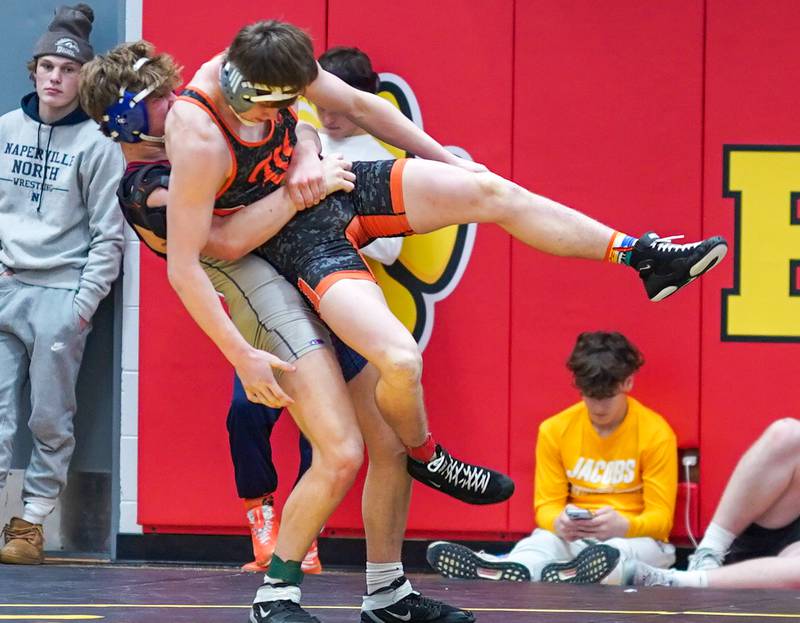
x,y
59,222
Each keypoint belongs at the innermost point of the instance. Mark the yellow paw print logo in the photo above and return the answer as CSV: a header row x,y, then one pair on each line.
x,y
430,265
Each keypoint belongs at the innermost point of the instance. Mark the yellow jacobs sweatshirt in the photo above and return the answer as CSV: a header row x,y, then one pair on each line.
x,y
634,470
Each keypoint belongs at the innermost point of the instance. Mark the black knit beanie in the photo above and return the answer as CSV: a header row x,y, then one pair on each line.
x,y
68,34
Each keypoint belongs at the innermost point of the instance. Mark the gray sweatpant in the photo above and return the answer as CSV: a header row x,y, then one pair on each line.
x,y
543,547
40,341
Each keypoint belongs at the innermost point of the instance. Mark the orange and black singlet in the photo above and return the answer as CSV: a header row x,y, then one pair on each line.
x,y
258,167
320,245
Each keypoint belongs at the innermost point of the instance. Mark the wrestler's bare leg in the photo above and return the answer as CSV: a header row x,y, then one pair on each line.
x,y
436,195
383,340
324,413
387,489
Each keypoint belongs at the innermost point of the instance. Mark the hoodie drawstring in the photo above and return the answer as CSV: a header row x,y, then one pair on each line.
x,y
44,173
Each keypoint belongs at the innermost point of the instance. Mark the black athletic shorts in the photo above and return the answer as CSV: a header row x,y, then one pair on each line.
x,y
757,542
320,245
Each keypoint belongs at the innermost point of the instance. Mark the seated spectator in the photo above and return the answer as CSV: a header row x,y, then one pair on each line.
x,y
755,530
606,470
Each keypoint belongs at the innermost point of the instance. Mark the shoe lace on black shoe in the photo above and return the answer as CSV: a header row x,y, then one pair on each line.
x,y
654,249
664,244
458,473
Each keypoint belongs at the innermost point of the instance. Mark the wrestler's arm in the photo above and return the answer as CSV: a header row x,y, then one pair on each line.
x,y
231,237
378,117
193,184
304,179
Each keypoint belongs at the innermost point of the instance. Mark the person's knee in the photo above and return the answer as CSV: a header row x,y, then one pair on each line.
x,y
496,197
543,541
340,462
401,365
53,432
782,439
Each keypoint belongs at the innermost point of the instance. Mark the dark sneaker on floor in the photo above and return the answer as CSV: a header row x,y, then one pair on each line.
x,y
413,608
589,567
665,267
469,483
456,561
280,611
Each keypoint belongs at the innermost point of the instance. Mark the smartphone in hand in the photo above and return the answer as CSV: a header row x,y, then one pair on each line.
x,y
575,513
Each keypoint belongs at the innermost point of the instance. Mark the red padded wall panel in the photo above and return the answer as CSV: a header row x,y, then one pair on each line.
x,y
752,90
607,119
457,59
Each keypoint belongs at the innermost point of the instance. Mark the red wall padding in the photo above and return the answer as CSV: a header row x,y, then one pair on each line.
x,y
751,94
618,109
600,126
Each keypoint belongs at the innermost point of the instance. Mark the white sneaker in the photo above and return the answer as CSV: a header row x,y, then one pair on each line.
x,y
638,573
705,559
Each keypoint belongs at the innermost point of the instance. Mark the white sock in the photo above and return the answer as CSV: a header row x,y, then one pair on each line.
x,y
692,579
268,592
36,509
717,539
382,574
376,601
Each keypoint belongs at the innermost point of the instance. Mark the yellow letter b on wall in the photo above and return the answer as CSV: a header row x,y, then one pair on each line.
x,y
764,304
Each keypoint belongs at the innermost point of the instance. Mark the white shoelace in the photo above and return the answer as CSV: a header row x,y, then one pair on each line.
x,y
666,244
461,474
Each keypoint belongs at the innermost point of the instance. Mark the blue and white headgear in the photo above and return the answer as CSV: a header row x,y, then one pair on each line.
x,y
241,94
126,120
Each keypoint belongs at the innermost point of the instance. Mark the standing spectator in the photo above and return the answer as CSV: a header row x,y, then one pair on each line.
x,y
60,249
606,470
340,135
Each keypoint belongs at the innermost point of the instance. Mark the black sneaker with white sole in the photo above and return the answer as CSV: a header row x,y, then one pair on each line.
x,y
414,608
457,561
589,567
280,611
665,267
469,483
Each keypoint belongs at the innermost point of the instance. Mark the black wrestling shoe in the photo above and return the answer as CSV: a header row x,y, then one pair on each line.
x,y
589,567
456,561
414,608
469,483
280,611
665,267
